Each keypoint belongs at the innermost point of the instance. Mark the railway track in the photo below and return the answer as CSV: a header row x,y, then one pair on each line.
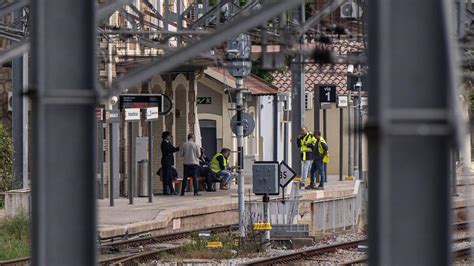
x,y
306,254
142,241
459,253
131,259
136,259
136,242
311,253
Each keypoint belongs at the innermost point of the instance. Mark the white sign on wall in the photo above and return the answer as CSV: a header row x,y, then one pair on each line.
x,y
364,101
152,113
341,101
132,114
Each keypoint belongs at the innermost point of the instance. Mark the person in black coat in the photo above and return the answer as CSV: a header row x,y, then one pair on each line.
x,y
167,162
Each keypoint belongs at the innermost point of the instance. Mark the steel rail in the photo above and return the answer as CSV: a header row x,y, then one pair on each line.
x,y
163,238
457,253
144,257
133,242
305,254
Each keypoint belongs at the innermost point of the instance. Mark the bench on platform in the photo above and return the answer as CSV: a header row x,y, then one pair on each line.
x,y
177,183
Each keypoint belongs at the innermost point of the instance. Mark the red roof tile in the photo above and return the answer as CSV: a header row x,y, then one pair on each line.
x,y
316,74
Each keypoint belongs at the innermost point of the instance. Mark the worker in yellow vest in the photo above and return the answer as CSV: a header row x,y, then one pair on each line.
x,y
321,159
220,166
306,143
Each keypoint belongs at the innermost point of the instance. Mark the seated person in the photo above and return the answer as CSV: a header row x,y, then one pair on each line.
x,y
205,171
174,173
220,167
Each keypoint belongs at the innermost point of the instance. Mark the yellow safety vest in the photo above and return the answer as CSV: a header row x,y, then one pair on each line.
x,y
321,150
307,139
215,167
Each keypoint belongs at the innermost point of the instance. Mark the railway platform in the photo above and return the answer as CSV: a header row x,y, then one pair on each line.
x,y
169,214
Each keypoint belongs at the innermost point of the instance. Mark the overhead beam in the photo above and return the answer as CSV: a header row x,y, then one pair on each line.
x,y
13,7
106,10
224,33
14,51
325,11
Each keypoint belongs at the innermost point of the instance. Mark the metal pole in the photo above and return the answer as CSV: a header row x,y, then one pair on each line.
x,y
26,132
285,134
398,118
275,127
266,215
297,115
297,94
112,137
325,125
240,148
453,172
17,113
349,135
317,109
341,142
64,100
359,134
100,156
131,168
150,161
17,121
356,136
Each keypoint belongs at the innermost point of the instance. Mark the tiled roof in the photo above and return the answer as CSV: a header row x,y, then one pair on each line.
x,y
316,74
256,85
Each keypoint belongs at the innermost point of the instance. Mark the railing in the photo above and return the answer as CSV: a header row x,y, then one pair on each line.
x,y
343,213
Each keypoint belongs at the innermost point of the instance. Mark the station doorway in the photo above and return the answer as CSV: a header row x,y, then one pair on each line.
x,y
209,136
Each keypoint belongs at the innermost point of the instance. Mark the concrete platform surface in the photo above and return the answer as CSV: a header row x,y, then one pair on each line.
x,y
175,213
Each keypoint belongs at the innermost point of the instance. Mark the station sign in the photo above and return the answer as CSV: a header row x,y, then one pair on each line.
x,y
327,93
151,113
143,101
204,100
112,116
140,101
132,114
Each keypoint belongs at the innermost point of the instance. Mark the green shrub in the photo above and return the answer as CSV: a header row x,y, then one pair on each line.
x,y
6,161
14,237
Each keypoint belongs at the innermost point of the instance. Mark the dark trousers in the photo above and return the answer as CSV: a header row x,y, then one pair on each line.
x,y
320,167
206,172
167,179
190,170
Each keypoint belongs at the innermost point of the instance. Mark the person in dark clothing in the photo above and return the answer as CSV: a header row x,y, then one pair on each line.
x,y
167,162
321,157
205,171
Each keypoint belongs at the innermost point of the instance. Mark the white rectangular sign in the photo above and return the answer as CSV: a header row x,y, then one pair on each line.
x,y
152,113
342,101
132,114
364,101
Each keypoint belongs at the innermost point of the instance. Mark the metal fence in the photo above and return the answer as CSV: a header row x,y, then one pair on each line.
x,y
342,213
280,211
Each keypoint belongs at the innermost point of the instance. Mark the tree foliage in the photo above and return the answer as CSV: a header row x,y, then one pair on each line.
x,y
261,73
6,159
